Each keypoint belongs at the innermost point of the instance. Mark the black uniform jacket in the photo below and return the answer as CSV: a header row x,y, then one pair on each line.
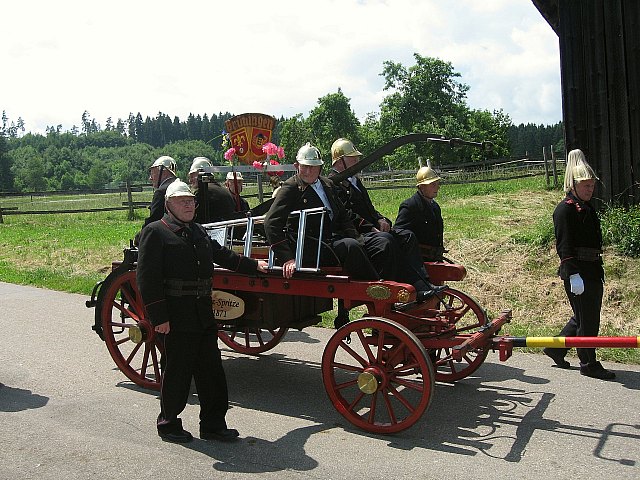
x,y
239,203
171,252
578,239
422,217
282,230
365,215
156,209
217,204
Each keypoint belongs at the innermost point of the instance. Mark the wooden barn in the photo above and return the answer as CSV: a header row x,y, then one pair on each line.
x,y
600,69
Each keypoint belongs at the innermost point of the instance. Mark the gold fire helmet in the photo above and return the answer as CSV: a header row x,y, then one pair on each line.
x,y
343,148
426,175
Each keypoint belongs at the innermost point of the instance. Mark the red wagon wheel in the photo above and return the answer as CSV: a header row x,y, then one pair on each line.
x,y
381,380
129,336
449,370
467,315
251,340
459,309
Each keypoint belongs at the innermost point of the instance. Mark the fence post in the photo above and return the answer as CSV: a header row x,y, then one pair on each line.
x,y
553,166
130,216
546,165
1,220
260,189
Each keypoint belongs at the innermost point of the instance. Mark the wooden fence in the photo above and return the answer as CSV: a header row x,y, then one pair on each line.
x,y
133,197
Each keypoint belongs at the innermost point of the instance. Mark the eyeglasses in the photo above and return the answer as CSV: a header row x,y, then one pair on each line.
x,y
185,201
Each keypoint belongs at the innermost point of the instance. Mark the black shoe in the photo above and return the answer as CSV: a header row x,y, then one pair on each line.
x,y
596,370
341,321
557,356
222,435
424,295
177,436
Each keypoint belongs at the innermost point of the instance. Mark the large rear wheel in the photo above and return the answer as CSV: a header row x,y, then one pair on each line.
x,y
130,337
464,314
377,375
251,340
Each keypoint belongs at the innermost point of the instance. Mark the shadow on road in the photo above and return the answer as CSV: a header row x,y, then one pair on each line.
x,y
466,418
17,399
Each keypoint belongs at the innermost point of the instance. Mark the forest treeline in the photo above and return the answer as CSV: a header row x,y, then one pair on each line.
x,y
425,97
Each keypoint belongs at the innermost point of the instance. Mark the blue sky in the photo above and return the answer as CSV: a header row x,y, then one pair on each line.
x,y
278,57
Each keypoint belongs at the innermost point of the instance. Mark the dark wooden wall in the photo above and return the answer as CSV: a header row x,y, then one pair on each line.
x,y
599,54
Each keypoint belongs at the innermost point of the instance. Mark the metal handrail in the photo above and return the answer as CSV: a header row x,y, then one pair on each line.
x,y
226,229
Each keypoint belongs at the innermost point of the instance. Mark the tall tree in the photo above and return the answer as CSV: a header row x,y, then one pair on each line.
x,y
332,119
427,97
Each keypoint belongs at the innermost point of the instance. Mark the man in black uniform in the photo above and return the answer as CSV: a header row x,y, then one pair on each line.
x,y
175,266
161,174
305,190
371,223
215,204
579,246
422,215
234,185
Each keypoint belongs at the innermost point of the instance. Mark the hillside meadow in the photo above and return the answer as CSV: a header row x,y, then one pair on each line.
x,y
500,231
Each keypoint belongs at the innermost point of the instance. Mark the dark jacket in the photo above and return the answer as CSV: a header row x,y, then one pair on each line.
x,y
423,218
281,229
578,239
239,203
170,253
156,209
365,215
215,204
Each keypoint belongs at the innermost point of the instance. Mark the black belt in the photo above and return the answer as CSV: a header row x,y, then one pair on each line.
x,y
586,254
177,287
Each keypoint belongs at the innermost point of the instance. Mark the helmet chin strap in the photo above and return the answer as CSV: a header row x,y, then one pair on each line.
x,y
159,176
173,215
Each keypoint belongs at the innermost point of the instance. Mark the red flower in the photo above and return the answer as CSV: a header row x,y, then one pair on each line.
x,y
257,165
278,173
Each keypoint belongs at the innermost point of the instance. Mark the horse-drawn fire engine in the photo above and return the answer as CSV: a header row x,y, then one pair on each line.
x,y
379,371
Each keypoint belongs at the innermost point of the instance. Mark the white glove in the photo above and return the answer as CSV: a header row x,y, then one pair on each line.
x,y
577,284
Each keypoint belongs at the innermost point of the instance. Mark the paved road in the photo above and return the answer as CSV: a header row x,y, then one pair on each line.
x,y
67,413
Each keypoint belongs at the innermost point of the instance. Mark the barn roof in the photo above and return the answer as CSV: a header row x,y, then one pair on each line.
x,y
549,10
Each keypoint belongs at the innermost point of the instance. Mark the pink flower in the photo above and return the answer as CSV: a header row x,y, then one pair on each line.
x,y
257,165
280,153
230,154
278,173
270,148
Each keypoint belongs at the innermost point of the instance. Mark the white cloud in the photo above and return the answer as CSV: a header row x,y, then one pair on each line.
x,y
62,58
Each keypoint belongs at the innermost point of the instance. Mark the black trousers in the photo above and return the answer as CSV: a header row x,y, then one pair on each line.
x,y
197,356
384,254
585,321
357,259
411,267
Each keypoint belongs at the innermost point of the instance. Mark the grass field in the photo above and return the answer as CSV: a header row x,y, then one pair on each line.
x,y
500,231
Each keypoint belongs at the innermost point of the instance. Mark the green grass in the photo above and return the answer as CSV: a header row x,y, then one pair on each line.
x,y
501,231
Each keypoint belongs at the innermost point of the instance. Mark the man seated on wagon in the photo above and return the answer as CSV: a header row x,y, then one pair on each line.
x,y
370,222
421,214
367,257
234,185
216,203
